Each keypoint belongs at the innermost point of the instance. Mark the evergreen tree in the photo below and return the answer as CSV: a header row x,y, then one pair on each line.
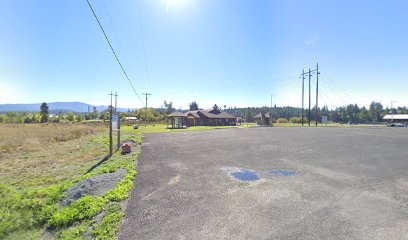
x,y
44,112
193,106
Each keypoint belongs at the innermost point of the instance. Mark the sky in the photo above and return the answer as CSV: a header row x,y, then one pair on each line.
x,y
233,53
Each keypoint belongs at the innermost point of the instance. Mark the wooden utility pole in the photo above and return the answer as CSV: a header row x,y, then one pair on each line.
x,y
317,90
303,95
270,116
310,75
110,125
392,112
146,94
116,107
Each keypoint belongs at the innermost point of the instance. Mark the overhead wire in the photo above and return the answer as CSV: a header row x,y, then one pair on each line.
x,y
346,91
125,58
143,43
113,51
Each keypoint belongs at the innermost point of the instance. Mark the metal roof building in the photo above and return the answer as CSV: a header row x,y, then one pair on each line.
x,y
400,117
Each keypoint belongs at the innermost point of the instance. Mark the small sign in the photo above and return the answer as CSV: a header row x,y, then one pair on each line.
x,y
324,119
115,122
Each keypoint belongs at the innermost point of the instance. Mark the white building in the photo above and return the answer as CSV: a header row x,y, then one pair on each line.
x,y
396,117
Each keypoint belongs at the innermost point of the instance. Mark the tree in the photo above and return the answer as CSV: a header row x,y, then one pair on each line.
x,y
193,106
80,118
27,118
71,117
248,115
215,107
363,115
352,111
375,111
169,107
105,116
44,112
36,118
150,115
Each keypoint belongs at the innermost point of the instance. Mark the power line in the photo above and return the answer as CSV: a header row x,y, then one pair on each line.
x,y
143,42
113,51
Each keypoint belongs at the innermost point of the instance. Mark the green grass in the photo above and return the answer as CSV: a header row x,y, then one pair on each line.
x,y
162,128
42,163
39,168
68,222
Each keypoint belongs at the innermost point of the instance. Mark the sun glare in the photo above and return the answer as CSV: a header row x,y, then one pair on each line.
x,y
176,3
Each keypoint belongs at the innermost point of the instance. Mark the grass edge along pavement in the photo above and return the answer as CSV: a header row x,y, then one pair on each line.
x,y
163,128
75,221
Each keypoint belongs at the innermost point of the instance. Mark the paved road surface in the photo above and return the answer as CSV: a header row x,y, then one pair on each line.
x,y
350,183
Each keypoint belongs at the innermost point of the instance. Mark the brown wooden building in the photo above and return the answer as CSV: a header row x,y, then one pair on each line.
x,y
204,118
263,119
177,120
210,118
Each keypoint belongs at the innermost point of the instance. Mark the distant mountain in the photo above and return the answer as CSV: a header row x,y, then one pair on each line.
x,y
55,107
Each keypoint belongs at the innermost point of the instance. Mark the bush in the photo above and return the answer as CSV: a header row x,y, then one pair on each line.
x,y
295,120
282,120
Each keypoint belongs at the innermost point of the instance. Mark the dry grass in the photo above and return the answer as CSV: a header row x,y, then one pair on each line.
x,y
38,157
36,154
31,136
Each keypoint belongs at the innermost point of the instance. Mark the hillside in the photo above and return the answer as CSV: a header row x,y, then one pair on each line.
x,y
54,107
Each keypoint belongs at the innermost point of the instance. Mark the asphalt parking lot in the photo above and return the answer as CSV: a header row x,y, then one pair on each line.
x,y
343,183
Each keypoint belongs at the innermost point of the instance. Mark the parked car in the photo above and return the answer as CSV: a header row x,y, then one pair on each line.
x,y
395,125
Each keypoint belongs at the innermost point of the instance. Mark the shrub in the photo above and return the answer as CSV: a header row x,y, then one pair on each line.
x,y
282,120
295,120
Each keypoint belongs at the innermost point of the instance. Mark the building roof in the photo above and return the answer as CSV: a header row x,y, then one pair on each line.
x,y
396,117
130,118
176,114
263,115
209,114
193,113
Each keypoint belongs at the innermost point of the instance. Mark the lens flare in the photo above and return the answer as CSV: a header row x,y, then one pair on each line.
x,y
176,3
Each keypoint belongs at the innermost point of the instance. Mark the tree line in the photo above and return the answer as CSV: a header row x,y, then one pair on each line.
x,y
352,112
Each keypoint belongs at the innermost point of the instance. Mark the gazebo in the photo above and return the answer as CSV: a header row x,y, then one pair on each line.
x,y
177,120
263,119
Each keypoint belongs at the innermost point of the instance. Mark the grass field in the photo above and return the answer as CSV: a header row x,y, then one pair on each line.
x,y
160,128
38,162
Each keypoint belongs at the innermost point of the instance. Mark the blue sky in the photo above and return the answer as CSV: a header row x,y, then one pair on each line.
x,y
233,53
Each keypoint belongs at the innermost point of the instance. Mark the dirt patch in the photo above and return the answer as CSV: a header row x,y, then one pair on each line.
x,y
94,186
